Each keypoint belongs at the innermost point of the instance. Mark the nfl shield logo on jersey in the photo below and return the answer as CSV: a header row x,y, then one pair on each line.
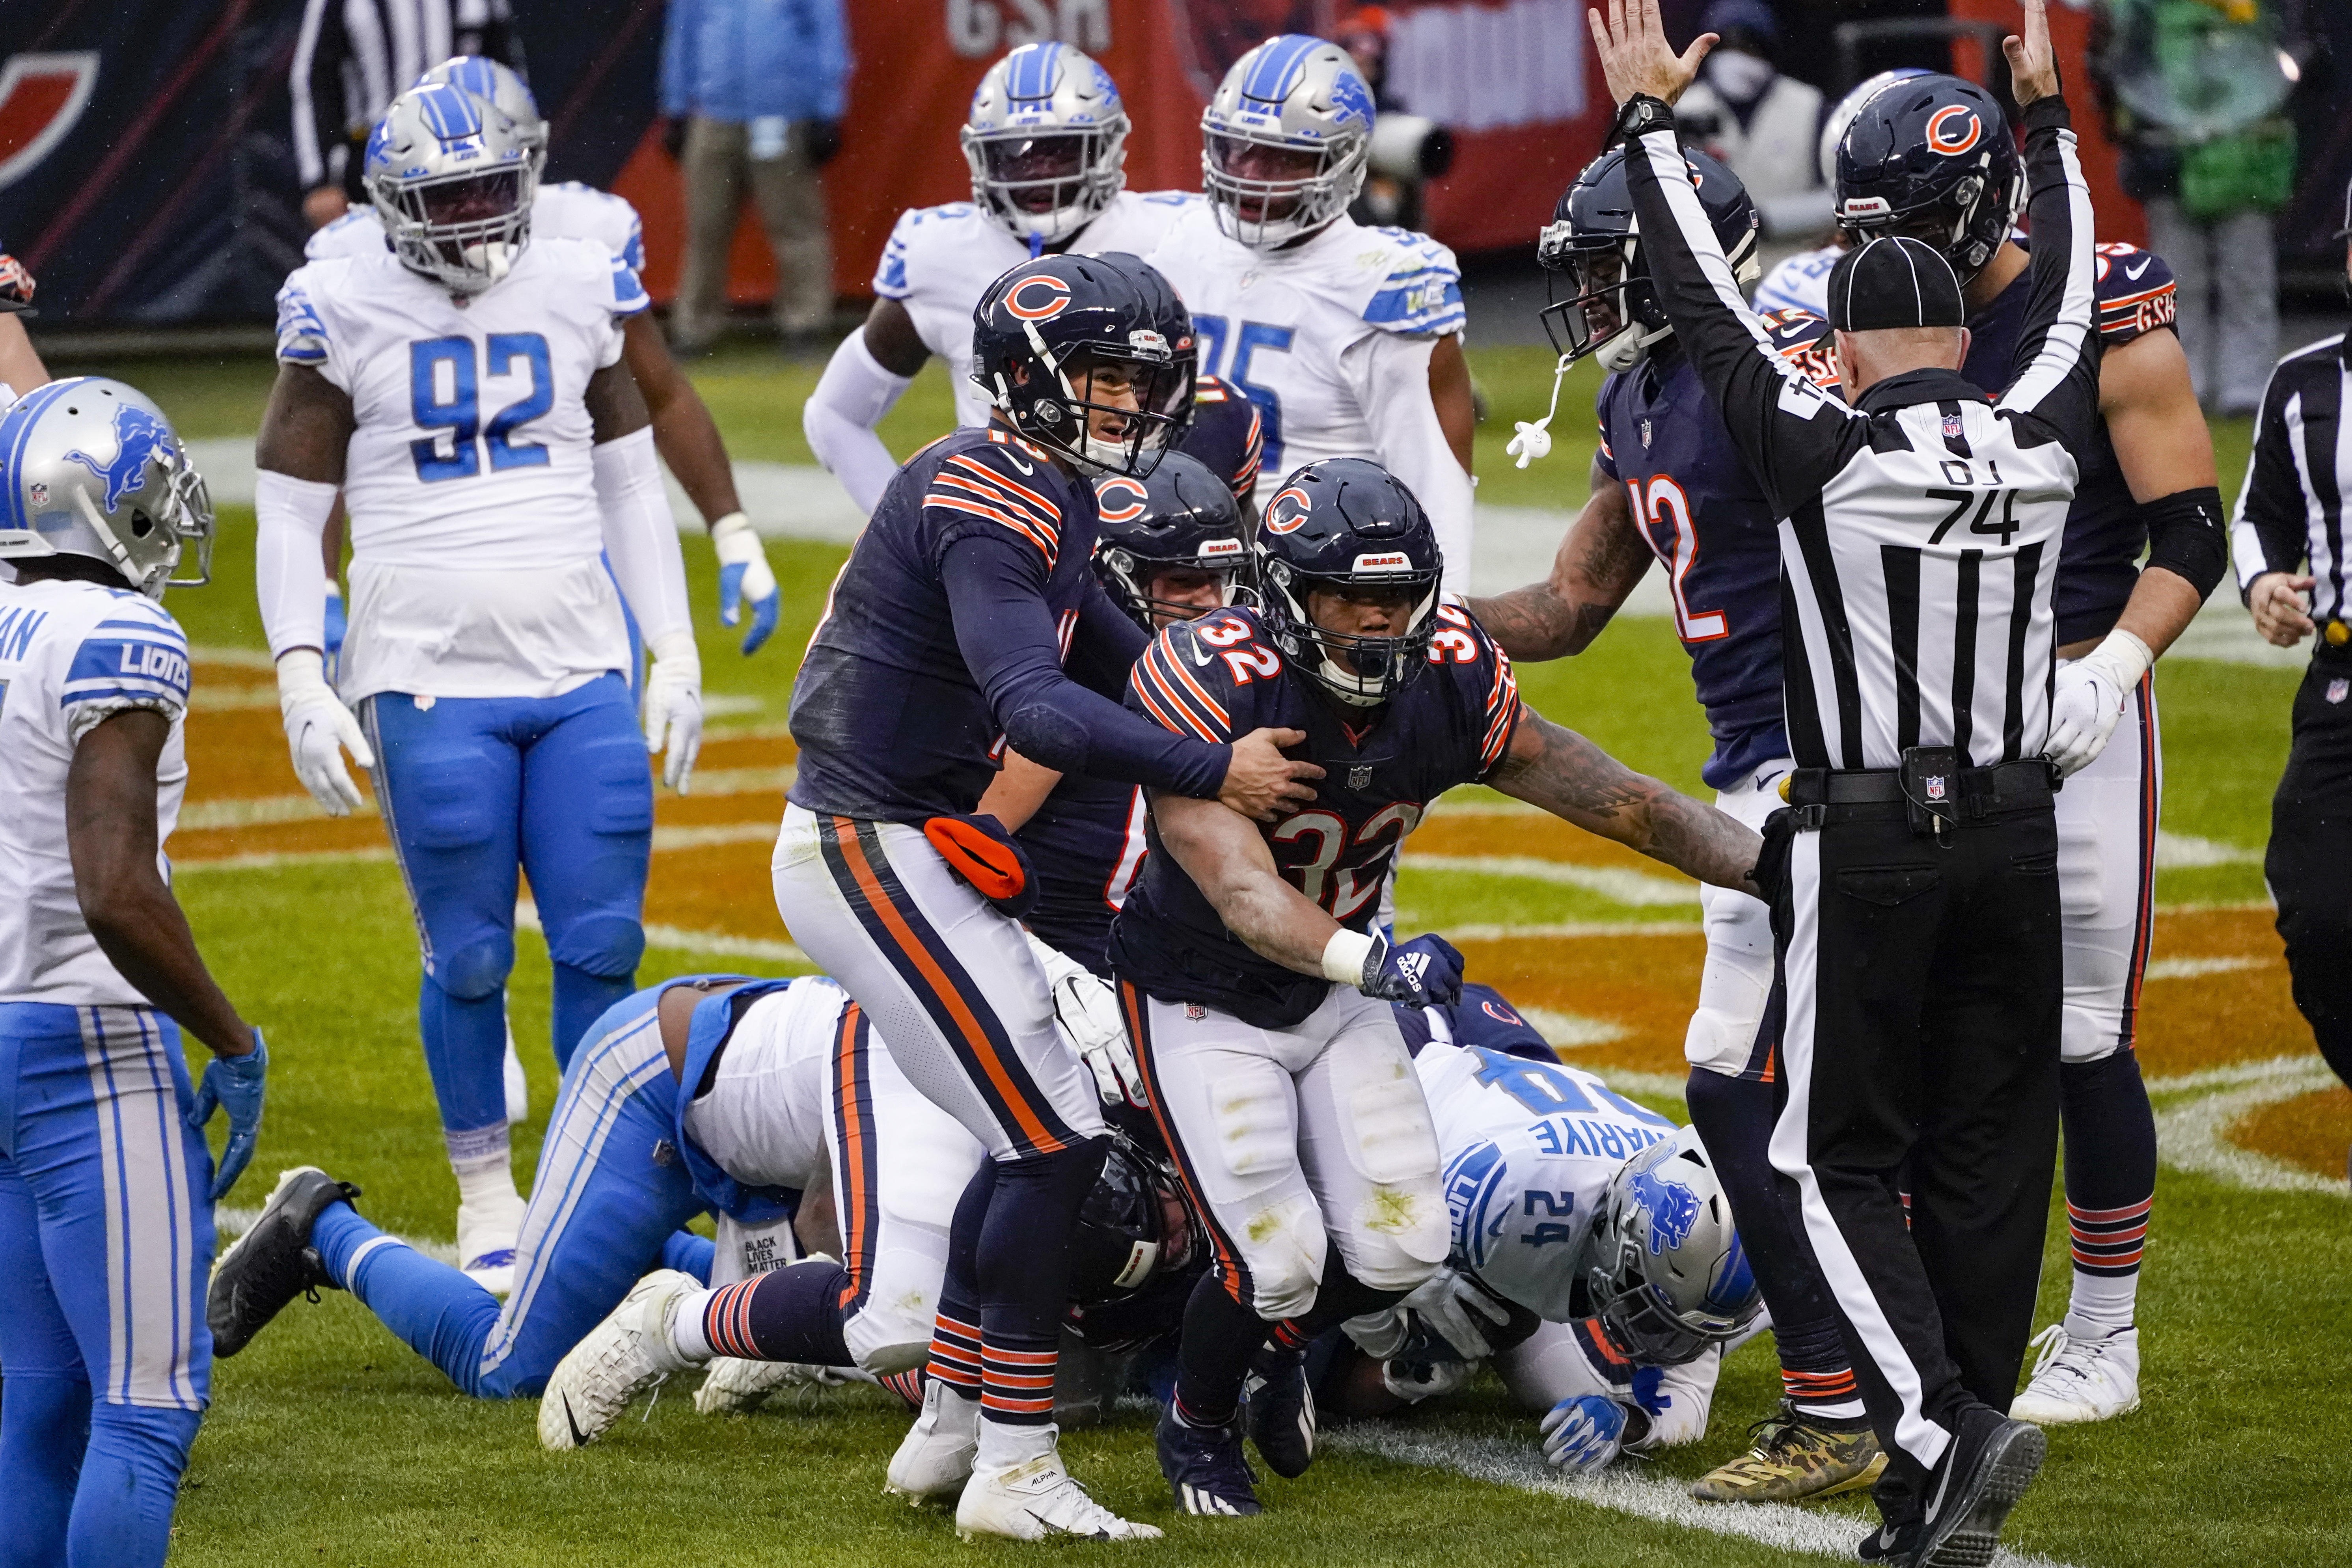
x,y
1645,436
2338,689
1359,776
1951,427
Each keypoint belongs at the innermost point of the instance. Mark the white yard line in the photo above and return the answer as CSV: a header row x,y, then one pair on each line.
x,y
231,1223
1567,1031
252,811
2191,968
677,939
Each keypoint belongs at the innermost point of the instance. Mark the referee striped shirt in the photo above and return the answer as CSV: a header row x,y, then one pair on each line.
x,y
2291,511
1920,527
352,57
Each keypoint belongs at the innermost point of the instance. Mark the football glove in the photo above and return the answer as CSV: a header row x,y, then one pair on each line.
x,y
1087,1011
743,574
1458,1310
1423,972
319,730
673,706
1583,1434
336,624
2084,704
235,1081
1676,1399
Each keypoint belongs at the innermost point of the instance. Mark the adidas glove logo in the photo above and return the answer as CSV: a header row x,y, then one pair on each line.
x,y
1412,966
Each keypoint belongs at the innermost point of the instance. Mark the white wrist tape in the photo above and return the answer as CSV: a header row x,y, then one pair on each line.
x,y
1344,956
2122,657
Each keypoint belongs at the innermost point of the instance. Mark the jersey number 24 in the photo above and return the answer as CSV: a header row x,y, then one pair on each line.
x,y
444,394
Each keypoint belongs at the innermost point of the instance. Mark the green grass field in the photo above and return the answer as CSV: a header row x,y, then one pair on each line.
x,y
330,1442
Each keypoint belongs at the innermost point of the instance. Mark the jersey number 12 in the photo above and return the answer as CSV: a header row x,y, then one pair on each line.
x,y
444,394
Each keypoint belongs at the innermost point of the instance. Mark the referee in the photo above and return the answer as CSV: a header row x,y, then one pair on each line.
x,y
1916,897
2289,541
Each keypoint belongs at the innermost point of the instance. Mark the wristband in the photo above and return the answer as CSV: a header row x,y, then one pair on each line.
x,y
730,525
2123,658
1344,957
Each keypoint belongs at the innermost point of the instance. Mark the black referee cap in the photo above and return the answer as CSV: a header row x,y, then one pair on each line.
x,y
1893,281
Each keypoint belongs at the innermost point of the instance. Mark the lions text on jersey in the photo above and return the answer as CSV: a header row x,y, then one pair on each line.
x,y
566,211
939,261
471,418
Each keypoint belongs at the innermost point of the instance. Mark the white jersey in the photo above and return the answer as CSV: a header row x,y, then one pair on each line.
x,y
1800,282
477,538
568,210
1528,1150
73,654
940,260
763,1121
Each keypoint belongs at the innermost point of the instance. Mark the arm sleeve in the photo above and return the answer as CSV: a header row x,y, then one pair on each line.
x,y
1105,646
1388,374
2269,532
290,572
2059,346
1788,429
316,81
1009,642
839,417
640,535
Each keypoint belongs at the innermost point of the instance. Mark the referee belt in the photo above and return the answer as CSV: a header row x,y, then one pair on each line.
x,y
1973,795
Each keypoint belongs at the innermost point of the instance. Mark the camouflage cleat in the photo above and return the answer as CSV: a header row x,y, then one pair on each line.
x,y
1791,1460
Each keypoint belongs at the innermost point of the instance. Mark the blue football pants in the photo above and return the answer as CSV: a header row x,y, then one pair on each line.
x,y
604,1211
473,787
106,1232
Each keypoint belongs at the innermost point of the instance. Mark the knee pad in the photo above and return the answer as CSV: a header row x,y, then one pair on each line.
x,y
606,946
1283,1246
474,972
1397,1261
891,1355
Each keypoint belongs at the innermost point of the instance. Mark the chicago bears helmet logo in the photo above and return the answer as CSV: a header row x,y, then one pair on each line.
x,y
1672,1208
1119,500
1953,130
139,437
1500,1013
42,97
1040,297
1287,513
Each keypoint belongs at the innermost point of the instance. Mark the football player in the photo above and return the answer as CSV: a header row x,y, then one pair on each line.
x,y
1667,483
1348,338
1252,982
1800,281
1047,141
685,434
106,1186
467,392
1932,158
961,607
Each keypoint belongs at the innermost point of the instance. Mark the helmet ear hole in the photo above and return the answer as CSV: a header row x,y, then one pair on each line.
x,y
142,525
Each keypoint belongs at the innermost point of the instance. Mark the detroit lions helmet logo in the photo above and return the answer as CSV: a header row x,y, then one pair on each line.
x,y
139,437
1672,1208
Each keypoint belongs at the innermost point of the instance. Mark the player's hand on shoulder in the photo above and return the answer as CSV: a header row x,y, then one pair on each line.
x,y
1423,972
1584,1434
743,575
1260,781
319,730
673,706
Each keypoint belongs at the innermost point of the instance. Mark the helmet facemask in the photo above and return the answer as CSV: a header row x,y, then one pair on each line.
x,y
1044,184
1129,578
1362,671
1268,190
1600,306
466,230
1107,410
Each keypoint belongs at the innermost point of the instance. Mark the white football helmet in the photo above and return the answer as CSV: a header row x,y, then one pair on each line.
x,y
1293,100
94,469
1046,139
1669,1276
503,86
452,176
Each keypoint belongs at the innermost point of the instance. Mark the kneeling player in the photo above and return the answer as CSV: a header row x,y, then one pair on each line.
x,y
1252,988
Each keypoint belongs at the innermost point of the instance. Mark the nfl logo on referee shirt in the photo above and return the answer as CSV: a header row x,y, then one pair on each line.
x,y
1951,427
2338,689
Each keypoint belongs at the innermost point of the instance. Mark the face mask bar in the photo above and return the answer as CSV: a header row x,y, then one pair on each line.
x,y
1045,207
466,253
1362,671
1065,424
1287,208
1130,573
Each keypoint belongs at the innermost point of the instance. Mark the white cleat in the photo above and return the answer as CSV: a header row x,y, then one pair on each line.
x,y
934,1459
737,1387
1035,1499
621,1357
487,1234
2078,1380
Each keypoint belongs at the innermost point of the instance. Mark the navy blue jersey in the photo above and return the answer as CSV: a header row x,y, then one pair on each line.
x,y
1710,526
2099,563
1085,844
1226,435
1220,677
1480,1018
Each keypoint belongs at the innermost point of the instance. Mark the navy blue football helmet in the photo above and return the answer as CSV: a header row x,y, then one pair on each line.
x,y
1345,524
1610,308
1180,518
1046,332
1133,1227
1932,158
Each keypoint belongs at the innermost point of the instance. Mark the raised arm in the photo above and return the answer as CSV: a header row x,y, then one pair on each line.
x,y
2059,344
1600,559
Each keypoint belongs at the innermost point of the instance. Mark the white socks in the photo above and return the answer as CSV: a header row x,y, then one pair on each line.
x,y
2101,1305
484,1166
686,1335
1003,1445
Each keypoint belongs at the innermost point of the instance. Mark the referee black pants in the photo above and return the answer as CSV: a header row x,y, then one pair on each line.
x,y
2309,863
1921,1045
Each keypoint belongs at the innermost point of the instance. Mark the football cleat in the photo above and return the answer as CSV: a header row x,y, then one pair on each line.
x,y
488,1233
2080,1379
737,1387
1206,1470
1890,1542
1985,1472
1035,1499
1793,1459
934,1459
1279,1409
621,1357
273,1261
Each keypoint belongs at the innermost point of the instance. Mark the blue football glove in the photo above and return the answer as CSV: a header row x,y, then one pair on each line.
x,y
1421,973
1585,1433
743,574
337,623
235,1081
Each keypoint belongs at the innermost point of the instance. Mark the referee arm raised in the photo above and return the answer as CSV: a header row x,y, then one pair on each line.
x,y
1917,900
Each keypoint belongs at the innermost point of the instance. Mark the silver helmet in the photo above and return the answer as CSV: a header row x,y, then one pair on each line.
x,y
1286,139
452,176
1668,1275
91,467
503,86
1046,139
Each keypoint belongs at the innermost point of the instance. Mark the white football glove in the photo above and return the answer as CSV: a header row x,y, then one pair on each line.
x,y
673,706
1434,1381
319,730
2088,698
1677,1399
1454,1307
1086,1010
743,575
1584,1434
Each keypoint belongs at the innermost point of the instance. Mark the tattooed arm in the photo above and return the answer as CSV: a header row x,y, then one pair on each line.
x,y
1600,560
1577,781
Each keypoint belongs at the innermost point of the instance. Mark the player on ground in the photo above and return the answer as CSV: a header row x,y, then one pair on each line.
x,y
685,434
106,1187
950,628
1252,985
467,390
1933,159
1348,338
1668,483
1047,141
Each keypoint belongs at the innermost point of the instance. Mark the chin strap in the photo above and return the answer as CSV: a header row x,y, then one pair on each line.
x,y
1534,441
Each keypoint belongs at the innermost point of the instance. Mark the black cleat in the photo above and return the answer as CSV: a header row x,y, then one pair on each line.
x,y
1205,1467
1890,1543
273,1263
1279,1409
1986,1470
